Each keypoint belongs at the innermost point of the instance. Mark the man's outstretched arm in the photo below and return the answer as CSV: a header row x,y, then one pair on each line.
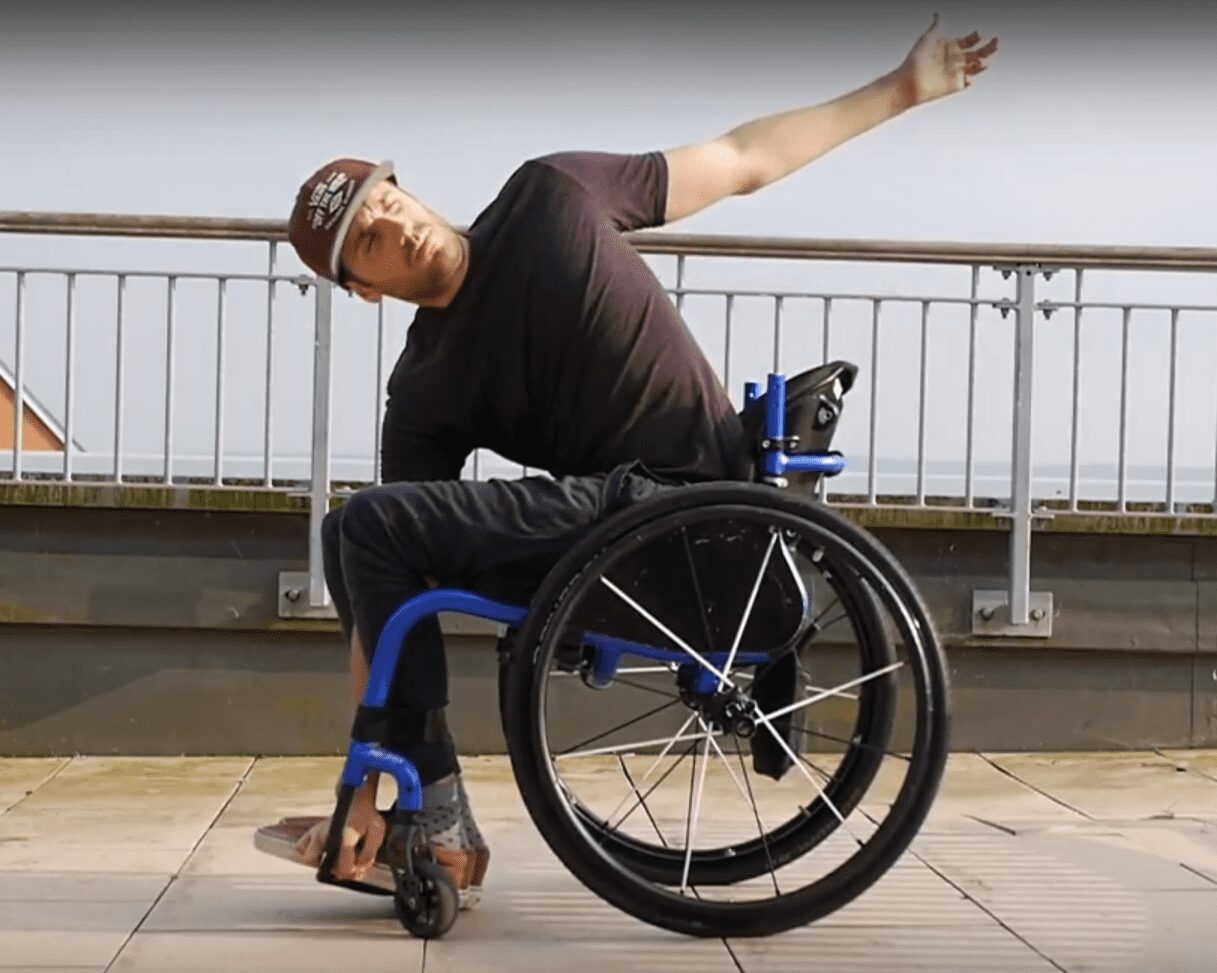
x,y
761,152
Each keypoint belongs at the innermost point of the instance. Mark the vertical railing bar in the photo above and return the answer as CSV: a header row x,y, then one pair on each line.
x,y
727,342
922,403
221,300
872,465
777,332
1074,435
120,315
379,411
825,329
69,379
319,472
19,380
969,484
268,476
1121,488
680,283
170,334
1170,419
477,465
822,486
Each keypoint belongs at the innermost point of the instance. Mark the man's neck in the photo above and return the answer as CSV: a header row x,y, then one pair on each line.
x,y
458,278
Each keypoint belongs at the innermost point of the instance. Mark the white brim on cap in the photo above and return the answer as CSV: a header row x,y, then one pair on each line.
x,y
375,178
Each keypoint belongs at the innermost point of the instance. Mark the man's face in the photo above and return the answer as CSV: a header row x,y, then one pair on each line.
x,y
398,247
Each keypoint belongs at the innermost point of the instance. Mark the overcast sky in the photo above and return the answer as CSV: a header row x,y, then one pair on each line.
x,y
1096,124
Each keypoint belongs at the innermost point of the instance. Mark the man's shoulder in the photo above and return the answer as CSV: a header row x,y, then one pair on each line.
x,y
535,195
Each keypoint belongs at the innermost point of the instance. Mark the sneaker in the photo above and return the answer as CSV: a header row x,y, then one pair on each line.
x,y
463,864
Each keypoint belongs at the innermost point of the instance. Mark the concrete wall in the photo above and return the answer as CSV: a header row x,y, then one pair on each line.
x,y
156,631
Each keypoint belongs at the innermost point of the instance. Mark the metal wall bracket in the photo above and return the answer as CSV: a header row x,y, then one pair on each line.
x,y
294,598
991,615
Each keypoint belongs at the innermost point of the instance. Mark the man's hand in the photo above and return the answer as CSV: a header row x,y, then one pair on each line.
x,y
939,65
362,837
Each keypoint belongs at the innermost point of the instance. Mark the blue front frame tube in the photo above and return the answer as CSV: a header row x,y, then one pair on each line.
x,y
363,756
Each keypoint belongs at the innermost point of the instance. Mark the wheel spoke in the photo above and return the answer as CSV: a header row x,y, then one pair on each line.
x,y
701,602
695,815
684,646
655,763
634,787
624,747
651,790
756,813
723,758
825,694
620,726
739,632
642,687
798,761
854,743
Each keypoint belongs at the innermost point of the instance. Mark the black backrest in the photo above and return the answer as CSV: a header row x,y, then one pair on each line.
x,y
814,400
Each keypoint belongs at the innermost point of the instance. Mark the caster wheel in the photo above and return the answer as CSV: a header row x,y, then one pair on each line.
x,y
432,910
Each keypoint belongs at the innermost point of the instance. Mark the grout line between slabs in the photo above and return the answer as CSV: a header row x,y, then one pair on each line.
x,y
37,787
987,911
1038,790
1204,775
185,861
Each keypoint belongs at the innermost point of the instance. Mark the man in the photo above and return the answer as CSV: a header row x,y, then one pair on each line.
x,y
542,336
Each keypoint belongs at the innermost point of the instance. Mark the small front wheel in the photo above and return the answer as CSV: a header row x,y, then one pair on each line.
x,y
427,906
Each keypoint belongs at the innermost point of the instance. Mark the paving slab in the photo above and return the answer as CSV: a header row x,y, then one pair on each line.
x,y
80,887
19,778
1037,887
294,950
1085,896
103,814
273,789
848,949
1203,762
536,916
68,933
1115,786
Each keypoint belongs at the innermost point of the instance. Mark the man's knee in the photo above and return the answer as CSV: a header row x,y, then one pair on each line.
x,y
331,529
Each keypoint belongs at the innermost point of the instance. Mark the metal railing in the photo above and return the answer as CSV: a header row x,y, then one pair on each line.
x,y
183,378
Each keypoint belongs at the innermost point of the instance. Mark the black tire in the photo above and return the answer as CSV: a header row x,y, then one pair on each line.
x,y
435,911
609,870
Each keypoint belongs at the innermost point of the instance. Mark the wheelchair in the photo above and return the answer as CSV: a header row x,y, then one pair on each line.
x,y
726,707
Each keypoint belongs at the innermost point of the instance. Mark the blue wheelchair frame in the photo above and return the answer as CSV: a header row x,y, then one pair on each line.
x,y
364,756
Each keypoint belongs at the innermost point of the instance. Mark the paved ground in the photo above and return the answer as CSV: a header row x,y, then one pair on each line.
x,y
1028,863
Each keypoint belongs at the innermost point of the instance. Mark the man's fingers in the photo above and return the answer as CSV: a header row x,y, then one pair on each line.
x,y
985,51
966,42
344,868
371,844
974,69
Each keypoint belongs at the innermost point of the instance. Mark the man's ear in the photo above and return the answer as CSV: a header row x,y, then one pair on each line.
x,y
369,294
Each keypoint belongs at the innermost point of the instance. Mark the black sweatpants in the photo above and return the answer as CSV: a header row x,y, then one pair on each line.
x,y
498,538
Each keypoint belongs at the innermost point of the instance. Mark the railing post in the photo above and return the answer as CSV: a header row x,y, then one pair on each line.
x,y
1018,611
319,482
1020,462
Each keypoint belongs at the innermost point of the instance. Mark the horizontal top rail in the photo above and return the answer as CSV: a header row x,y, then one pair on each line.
x,y
679,244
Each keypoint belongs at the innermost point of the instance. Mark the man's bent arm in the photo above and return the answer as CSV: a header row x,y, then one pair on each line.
x,y
761,152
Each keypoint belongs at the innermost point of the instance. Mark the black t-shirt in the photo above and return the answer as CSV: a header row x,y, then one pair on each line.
x,y
561,351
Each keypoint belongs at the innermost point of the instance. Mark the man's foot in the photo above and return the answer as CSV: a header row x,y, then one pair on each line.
x,y
464,865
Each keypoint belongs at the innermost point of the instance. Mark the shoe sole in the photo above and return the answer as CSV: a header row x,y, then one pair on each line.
x,y
379,875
